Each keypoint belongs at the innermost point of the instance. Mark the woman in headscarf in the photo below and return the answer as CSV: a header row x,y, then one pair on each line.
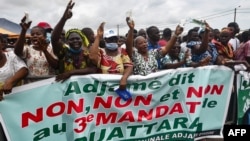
x,y
73,56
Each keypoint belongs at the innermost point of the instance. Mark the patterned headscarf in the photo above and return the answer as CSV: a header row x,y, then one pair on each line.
x,y
85,41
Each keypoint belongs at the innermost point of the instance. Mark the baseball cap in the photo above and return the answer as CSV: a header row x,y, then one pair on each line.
x,y
44,25
110,33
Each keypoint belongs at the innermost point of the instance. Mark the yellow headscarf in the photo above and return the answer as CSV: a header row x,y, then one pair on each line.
x,y
85,41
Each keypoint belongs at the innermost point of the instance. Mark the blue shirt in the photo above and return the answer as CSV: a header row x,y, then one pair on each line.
x,y
150,47
197,57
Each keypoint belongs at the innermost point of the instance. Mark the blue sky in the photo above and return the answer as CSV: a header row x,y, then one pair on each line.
x,y
161,13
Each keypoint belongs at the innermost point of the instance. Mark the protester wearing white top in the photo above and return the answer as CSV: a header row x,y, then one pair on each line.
x,y
234,29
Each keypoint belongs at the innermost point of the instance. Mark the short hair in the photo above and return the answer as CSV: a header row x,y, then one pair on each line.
x,y
245,36
43,30
87,30
150,29
191,31
235,26
167,32
137,38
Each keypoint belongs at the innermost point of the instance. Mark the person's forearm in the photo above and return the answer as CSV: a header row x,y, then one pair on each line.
x,y
53,62
174,65
169,45
129,42
56,34
19,75
204,44
88,70
19,45
127,72
94,51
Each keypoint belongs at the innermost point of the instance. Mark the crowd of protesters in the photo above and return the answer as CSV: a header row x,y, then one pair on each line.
x,y
54,53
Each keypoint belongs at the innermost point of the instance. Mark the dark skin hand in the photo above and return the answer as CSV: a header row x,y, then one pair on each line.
x,y
20,43
10,82
66,75
25,25
68,12
57,44
232,63
94,50
62,77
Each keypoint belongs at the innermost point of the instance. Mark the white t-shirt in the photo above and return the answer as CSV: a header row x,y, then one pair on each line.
x,y
12,65
183,47
235,42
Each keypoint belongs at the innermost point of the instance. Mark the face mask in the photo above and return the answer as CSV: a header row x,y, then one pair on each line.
x,y
48,37
111,46
75,51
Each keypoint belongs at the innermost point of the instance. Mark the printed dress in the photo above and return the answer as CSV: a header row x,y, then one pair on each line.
x,y
71,61
113,64
37,62
145,66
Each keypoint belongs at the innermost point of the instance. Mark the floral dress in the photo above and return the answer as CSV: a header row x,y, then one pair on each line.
x,y
37,62
145,66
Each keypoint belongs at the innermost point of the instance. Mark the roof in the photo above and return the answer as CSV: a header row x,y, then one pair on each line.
x,y
11,28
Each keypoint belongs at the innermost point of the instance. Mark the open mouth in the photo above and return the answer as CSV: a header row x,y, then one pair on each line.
x,y
76,45
35,41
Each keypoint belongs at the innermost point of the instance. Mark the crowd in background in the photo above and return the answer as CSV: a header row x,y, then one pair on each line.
x,y
54,52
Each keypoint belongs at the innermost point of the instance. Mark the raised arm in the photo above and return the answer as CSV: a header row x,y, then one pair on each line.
x,y
204,43
127,72
18,46
94,50
172,41
52,60
57,44
130,37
